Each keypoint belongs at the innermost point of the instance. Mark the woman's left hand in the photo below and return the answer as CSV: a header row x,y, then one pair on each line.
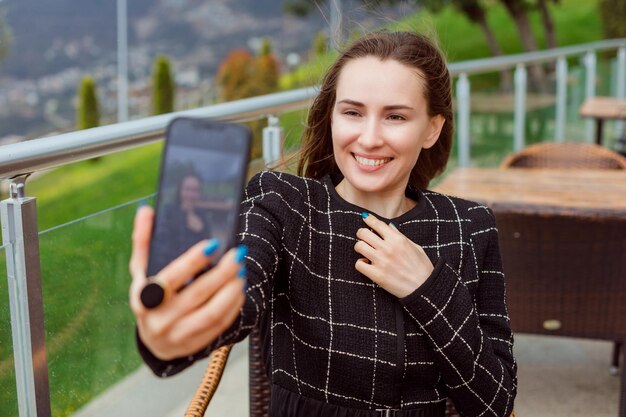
x,y
391,260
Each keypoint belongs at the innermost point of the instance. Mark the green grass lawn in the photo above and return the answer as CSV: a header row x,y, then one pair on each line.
x,y
84,264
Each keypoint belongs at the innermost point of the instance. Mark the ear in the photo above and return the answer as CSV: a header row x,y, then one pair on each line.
x,y
434,130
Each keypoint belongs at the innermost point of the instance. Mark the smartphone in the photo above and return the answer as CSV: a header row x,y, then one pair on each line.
x,y
201,183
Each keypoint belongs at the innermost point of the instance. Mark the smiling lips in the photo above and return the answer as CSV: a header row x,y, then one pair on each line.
x,y
371,163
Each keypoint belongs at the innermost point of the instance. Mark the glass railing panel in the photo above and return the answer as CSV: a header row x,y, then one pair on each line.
x,y
491,118
86,187
575,126
293,124
492,107
8,390
89,327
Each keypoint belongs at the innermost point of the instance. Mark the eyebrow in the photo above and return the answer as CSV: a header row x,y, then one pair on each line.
x,y
389,107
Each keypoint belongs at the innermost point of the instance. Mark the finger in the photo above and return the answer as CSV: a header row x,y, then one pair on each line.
x,y
366,250
369,237
377,225
178,272
367,269
142,231
210,320
209,283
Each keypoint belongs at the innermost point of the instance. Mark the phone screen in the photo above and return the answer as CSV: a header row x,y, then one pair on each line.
x,y
200,189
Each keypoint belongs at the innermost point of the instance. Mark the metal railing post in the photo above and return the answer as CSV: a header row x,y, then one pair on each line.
x,y
19,232
621,86
519,124
273,141
463,109
590,91
561,99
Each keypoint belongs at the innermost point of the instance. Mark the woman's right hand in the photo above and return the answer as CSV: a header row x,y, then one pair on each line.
x,y
195,316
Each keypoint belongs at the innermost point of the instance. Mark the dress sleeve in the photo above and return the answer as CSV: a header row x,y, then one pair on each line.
x,y
260,230
469,331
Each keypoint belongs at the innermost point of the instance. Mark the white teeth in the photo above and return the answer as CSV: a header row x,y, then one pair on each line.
x,y
371,162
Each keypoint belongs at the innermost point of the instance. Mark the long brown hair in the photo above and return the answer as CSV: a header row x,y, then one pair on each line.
x,y
410,49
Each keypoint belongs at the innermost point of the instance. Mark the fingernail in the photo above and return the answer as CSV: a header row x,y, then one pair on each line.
x,y
365,214
211,247
242,251
140,205
242,272
392,224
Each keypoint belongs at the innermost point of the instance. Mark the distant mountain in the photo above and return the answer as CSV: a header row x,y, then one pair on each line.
x,y
45,28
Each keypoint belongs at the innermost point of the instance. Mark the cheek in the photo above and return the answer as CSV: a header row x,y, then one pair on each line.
x,y
343,134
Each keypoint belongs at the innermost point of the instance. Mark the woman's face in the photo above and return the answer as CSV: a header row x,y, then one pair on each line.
x,y
380,124
189,192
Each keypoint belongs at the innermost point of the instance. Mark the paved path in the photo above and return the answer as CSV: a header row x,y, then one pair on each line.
x,y
558,377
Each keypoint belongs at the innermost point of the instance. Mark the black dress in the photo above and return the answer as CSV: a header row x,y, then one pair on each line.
x,y
333,338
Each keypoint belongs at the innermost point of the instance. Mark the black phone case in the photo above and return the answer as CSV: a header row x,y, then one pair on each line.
x,y
208,124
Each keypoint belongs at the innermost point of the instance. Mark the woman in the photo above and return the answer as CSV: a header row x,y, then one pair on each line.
x,y
371,292
187,222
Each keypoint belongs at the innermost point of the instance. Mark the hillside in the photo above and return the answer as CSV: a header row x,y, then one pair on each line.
x,y
45,28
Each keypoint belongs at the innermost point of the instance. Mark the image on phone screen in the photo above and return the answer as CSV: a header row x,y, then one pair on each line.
x,y
202,174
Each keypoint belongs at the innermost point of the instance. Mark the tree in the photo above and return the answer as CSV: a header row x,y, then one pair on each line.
x,y
475,12
5,37
162,86
518,10
233,76
548,23
320,44
87,113
613,13
242,75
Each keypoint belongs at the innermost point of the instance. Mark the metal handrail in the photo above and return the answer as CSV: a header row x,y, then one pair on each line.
x,y
511,61
29,156
48,152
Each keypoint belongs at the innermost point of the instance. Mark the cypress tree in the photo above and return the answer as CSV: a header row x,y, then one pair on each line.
x,y
162,86
320,44
88,114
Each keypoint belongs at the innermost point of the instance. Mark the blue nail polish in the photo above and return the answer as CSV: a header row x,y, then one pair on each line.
x,y
141,204
242,273
242,251
211,247
365,214
392,224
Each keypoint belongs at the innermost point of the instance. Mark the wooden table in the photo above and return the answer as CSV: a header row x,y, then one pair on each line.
x,y
601,109
542,190
562,236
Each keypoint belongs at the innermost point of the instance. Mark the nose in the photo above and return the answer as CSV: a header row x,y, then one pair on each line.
x,y
371,134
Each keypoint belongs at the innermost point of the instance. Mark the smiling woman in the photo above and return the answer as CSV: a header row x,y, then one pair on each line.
x,y
372,294
380,124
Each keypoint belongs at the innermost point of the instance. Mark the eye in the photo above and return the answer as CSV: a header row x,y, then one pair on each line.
x,y
352,113
396,117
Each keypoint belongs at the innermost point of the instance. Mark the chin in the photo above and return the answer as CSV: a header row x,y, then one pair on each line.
x,y
370,185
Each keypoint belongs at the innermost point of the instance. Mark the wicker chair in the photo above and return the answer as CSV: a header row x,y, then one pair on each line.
x,y
565,156
260,390
551,156
565,277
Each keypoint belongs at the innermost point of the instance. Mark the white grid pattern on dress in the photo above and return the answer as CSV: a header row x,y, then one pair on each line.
x,y
333,333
